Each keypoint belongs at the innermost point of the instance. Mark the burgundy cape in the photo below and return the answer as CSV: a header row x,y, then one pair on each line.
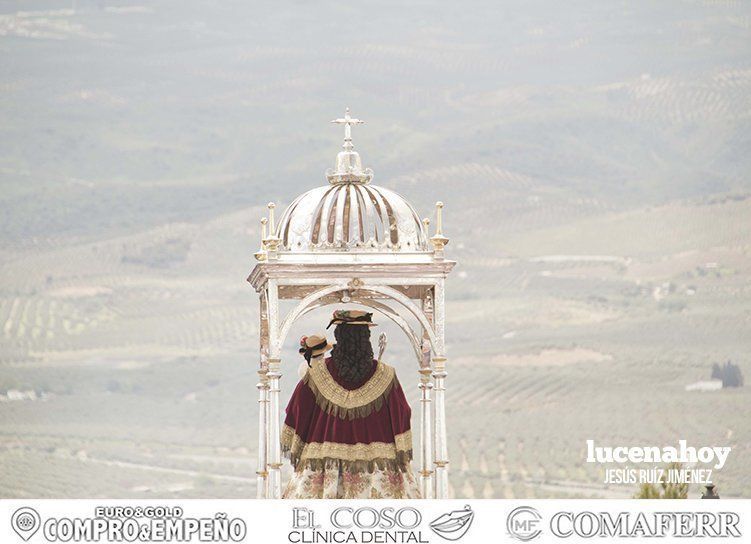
x,y
362,427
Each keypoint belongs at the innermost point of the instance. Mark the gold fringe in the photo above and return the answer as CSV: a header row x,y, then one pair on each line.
x,y
353,457
350,404
401,464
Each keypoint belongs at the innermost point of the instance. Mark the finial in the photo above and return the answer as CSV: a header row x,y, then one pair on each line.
x,y
438,240
260,255
348,163
347,121
271,207
271,241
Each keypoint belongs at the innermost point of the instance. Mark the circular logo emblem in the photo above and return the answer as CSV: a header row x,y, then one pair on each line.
x,y
523,523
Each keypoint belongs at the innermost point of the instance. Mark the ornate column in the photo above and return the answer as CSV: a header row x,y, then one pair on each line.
x,y
262,470
263,400
441,443
439,382
426,408
426,435
274,376
274,436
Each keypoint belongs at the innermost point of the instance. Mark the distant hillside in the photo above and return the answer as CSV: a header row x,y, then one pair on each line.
x,y
120,115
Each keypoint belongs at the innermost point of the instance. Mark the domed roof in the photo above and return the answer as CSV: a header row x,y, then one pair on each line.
x,y
350,214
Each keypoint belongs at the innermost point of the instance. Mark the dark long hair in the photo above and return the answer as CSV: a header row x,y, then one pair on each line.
x,y
352,353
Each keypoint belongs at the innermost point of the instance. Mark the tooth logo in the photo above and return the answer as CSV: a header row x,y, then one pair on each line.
x,y
454,525
25,522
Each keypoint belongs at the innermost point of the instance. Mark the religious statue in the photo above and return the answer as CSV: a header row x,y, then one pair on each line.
x,y
347,427
351,241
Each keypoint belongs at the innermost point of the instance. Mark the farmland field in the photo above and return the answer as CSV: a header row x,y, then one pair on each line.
x,y
594,162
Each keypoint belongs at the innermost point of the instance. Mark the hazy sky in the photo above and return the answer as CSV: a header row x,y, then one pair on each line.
x,y
124,114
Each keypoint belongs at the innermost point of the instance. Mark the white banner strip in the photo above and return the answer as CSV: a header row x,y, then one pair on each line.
x,y
374,522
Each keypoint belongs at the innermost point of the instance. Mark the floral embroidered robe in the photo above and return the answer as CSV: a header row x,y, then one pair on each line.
x,y
349,442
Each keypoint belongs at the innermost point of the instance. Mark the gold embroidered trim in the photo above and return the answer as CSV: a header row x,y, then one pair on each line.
x,y
357,457
403,441
344,403
291,442
349,452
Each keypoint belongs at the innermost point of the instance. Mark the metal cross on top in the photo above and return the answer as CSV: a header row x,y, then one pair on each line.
x,y
347,121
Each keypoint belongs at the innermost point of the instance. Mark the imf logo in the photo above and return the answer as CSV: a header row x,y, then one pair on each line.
x,y
523,523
